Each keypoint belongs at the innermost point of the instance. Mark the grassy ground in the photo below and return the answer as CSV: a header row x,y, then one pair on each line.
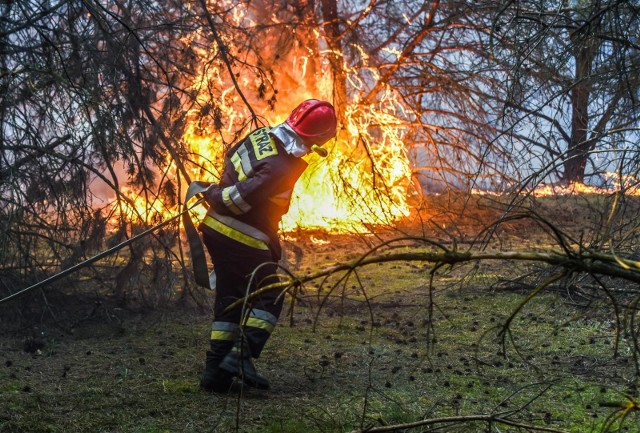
x,y
402,353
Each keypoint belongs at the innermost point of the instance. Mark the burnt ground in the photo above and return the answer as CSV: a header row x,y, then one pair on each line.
x,y
387,346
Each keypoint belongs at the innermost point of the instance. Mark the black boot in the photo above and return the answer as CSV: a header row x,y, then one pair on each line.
x,y
214,378
240,365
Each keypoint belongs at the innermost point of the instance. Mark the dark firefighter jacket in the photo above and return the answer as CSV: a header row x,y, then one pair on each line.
x,y
254,191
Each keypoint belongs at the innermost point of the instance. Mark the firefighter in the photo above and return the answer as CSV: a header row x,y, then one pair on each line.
x,y
240,232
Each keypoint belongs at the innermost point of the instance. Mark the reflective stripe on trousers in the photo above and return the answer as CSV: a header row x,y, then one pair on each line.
x,y
261,319
224,331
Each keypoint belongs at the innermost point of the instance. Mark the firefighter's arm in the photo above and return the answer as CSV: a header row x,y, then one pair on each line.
x,y
241,197
213,197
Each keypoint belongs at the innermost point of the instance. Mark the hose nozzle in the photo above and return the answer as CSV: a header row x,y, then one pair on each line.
x,y
320,150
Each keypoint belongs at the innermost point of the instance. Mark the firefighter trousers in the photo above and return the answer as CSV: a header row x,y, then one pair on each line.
x,y
241,269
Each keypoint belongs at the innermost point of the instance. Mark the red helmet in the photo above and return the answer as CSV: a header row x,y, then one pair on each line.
x,y
314,121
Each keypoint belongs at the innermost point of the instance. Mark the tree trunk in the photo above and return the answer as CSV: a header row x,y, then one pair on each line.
x,y
580,145
332,33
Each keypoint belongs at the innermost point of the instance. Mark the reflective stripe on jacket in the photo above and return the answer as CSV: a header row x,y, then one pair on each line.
x,y
237,230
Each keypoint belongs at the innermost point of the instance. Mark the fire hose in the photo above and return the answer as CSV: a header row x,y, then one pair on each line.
x,y
198,258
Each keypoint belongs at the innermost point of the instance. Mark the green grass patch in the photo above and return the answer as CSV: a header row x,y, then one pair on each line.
x,y
381,349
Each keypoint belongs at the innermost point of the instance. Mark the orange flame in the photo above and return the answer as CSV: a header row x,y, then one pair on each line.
x,y
354,187
614,183
363,181
135,208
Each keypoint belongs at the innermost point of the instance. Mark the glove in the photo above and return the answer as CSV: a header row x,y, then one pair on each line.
x,y
213,196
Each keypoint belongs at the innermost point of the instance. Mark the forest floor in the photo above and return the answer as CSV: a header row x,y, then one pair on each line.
x,y
388,346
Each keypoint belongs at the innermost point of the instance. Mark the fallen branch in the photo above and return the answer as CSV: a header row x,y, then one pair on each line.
x,y
458,419
583,262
